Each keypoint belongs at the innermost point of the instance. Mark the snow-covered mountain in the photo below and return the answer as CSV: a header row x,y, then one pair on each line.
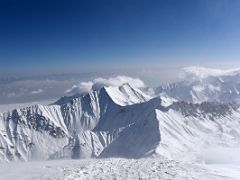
x,y
200,84
116,121
42,132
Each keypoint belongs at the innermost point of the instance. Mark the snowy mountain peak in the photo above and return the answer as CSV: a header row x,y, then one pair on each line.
x,y
122,95
126,95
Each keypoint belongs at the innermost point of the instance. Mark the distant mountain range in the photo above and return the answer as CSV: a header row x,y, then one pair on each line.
x,y
125,121
203,84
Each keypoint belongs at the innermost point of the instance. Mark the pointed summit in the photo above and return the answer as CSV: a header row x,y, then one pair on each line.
x,y
126,95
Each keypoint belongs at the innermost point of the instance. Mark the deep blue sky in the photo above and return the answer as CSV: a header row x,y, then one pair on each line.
x,y
55,34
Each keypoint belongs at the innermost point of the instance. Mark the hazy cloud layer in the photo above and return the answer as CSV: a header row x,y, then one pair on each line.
x,y
37,88
32,88
197,72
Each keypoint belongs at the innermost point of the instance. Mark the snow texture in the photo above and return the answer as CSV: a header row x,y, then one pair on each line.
x,y
113,169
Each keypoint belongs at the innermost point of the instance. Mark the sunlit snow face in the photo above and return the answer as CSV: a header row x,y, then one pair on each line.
x,y
98,83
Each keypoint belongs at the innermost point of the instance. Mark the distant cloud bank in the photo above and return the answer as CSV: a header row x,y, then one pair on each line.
x,y
203,72
44,87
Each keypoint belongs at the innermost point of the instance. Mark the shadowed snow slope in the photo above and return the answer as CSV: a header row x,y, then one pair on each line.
x,y
116,122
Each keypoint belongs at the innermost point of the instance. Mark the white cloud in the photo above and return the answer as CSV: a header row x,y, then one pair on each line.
x,y
12,94
98,83
37,91
196,72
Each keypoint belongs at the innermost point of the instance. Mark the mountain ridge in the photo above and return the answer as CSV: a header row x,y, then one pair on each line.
x,y
97,124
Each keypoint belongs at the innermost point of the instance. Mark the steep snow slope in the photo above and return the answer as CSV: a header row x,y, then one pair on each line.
x,y
187,129
31,133
96,119
137,140
203,84
66,127
178,131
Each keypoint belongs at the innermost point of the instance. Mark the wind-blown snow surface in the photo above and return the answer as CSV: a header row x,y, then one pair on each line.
x,y
110,169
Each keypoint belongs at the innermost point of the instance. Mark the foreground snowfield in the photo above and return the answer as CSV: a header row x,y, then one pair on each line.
x,y
10,107
152,168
